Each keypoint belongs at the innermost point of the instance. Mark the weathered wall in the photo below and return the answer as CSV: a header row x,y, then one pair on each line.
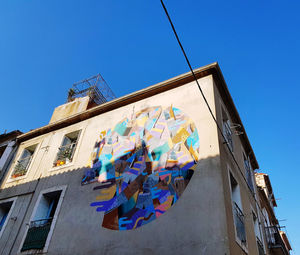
x,y
247,200
71,108
196,224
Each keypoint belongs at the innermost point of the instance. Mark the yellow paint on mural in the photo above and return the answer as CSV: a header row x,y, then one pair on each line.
x,y
170,143
108,193
181,136
194,153
167,204
193,167
137,221
102,134
169,179
157,130
149,137
89,164
141,122
135,195
172,112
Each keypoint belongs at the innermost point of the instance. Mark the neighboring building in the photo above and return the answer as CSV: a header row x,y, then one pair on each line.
x,y
147,173
8,147
276,240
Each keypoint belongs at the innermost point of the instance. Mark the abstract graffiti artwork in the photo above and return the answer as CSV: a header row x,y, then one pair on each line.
x,y
142,166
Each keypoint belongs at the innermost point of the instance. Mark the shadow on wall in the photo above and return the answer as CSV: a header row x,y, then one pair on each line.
x,y
137,171
82,196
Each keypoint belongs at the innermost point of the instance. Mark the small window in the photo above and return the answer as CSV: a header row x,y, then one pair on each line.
x,y
239,218
40,225
4,211
259,242
248,172
2,149
67,149
227,130
23,163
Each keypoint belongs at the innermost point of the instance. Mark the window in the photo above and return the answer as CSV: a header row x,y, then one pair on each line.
x,y
256,224
227,130
2,149
239,219
248,172
5,211
43,220
23,163
67,149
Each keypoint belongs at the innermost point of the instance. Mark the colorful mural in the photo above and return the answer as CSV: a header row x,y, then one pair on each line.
x,y
142,166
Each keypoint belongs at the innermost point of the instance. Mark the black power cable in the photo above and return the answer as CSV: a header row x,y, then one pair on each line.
x,y
201,91
207,104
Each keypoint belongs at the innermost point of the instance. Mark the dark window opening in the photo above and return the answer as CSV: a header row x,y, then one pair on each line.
x,y
4,210
40,226
2,149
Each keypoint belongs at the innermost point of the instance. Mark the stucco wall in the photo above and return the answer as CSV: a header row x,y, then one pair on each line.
x,y
247,200
196,224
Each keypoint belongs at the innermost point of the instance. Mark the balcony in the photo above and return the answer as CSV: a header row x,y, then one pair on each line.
x,y
275,241
37,234
239,224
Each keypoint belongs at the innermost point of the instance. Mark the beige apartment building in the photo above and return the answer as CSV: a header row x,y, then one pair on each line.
x,y
276,239
147,173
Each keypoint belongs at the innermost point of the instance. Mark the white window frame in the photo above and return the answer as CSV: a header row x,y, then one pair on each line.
x,y
59,204
6,153
20,151
244,155
228,122
13,200
80,136
261,239
238,241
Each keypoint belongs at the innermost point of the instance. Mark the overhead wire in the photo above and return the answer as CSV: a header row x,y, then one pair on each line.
x,y
208,106
201,91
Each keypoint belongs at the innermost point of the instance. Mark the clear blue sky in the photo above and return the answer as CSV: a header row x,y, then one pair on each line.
x,y
46,46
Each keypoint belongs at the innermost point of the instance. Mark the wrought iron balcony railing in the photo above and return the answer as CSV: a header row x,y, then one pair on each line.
x,y
228,135
274,239
260,247
37,234
248,174
239,223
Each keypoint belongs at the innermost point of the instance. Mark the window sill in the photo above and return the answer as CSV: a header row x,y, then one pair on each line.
x,y
242,246
17,178
32,251
56,168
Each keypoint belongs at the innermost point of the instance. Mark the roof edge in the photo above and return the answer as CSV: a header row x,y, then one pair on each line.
x,y
211,69
121,101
